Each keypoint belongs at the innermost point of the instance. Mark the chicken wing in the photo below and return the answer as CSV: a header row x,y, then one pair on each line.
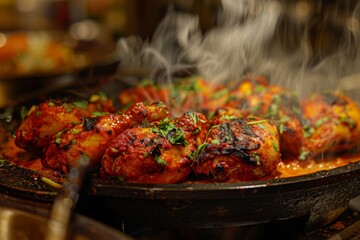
x,y
93,135
52,116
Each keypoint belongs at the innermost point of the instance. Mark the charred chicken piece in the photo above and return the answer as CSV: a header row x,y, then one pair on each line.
x,y
50,117
256,97
158,154
332,124
238,149
93,135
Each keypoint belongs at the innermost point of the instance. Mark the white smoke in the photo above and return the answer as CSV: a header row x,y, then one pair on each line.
x,y
237,44
250,37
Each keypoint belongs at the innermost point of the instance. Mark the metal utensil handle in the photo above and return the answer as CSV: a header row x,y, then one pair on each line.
x,y
59,224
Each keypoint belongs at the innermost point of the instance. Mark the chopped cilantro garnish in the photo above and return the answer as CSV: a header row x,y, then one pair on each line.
x,y
256,122
190,87
307,130
260,89
198,151
75,131
169,131
348,120
159,160
67,107
274,107
351,122
81,104
276,147
98,114
284,119
221,93
257,158
51,182
303,155
196,131
321,121
336,121
23,112
57,137
201,147
194,117
228,117
281,128
121,178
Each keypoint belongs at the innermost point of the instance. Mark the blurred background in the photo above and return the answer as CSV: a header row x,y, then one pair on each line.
x,y
114,18
85,30
39,38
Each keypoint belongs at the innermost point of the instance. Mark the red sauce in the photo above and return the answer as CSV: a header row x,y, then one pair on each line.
x,y
19,156
291,168
286,168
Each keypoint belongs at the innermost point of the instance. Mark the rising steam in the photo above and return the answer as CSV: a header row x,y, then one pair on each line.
x,y
257,37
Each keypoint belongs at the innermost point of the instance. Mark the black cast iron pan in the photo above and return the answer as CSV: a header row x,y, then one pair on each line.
x,y
319,197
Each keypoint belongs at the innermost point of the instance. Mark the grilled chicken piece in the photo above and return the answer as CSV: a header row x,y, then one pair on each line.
x,y
253,95
238,149
93,135
50,117
256,97
144,92
190,94
161,154
332,124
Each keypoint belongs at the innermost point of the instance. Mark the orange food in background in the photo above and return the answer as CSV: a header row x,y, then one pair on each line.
x,y
25,53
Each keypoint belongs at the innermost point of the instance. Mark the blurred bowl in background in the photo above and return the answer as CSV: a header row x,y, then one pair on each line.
x,y
16,224
37,62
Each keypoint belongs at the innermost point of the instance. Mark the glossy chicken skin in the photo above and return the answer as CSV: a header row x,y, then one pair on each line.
x,y
238,149
256,97
161,154
50,117
333,124
285,111
93,135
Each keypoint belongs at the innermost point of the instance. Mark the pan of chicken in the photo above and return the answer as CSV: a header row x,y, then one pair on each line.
x,y
191,154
